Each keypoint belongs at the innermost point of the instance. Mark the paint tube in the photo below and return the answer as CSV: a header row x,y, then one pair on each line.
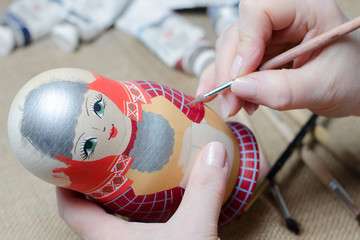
x,y
27,20
190,4
222,17
172,38
85,21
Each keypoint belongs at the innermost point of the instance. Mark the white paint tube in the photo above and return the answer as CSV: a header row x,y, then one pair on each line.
x,y
171,37
27,20
223,16
190,4
86,20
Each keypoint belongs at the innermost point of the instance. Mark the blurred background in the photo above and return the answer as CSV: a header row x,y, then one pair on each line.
x,y
172,46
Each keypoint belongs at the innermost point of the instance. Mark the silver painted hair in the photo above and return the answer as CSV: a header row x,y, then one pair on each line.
x,y
50,116
154,143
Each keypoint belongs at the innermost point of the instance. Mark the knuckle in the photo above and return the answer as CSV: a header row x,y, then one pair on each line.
x,y
219,42
284,96
229,34
282,103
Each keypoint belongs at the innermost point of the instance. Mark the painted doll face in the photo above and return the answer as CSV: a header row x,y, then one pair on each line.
x,y
102,129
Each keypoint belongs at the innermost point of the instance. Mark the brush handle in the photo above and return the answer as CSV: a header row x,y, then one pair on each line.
x,y
280,200
317,167
293,144
341,193
264,169
309,158
311,45
323,136
314,164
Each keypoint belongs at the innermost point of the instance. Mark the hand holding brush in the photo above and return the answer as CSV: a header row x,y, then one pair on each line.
x,y
324,79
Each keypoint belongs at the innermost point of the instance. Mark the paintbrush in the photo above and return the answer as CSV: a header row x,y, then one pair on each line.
x,y
288,56
314,164
282,159
290,223
326,178
322,135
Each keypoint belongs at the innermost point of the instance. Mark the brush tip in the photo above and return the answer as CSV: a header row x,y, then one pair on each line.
x,y
358,219
292,225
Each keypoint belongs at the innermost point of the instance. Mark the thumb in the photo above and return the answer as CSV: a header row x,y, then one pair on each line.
x,y
201,204
278,89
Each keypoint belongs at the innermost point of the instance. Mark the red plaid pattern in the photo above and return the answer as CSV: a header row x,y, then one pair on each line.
x,y
248,174
157,207
195,113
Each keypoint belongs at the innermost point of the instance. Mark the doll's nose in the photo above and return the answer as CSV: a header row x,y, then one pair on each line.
x,y
99,129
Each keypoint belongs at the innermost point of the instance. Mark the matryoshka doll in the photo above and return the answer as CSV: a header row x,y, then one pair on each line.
x,y
129,146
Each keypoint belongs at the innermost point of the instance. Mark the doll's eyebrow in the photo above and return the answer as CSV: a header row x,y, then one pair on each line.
x,y
77,142
86,105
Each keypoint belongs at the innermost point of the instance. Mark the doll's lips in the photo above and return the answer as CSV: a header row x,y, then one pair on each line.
x,y
113,132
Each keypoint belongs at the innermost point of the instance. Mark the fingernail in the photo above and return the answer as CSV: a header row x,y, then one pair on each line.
x,y
250,108
215,155
235,68
245,87
224,106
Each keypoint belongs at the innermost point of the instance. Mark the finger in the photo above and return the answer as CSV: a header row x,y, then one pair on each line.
x,y
226,51
226,48
241,49
84,217
250,108
207,81
205,191
277,89
257,21
230,104
263,21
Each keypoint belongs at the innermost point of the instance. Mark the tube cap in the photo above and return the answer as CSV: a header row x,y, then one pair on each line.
x,y
7,40
65,37
203,60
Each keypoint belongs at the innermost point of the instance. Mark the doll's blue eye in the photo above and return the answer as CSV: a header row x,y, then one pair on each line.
x,y
88,147
98,106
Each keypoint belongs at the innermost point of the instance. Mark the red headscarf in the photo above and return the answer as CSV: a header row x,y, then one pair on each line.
x,y
102,178
127,96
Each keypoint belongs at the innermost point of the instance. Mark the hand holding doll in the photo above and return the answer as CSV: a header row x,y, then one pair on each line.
x,y
194,219
130,147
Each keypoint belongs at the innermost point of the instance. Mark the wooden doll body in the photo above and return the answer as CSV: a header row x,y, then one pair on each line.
x,y
130,146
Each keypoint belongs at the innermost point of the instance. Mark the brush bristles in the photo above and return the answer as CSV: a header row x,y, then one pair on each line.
x,y
292,225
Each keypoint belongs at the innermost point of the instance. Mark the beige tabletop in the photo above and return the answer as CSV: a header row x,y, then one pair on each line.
x,y
28,207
